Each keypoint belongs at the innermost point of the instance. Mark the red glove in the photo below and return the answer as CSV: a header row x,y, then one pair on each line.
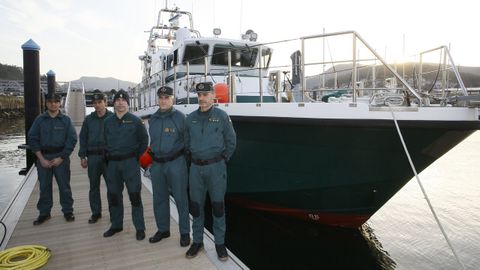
x,y
146,159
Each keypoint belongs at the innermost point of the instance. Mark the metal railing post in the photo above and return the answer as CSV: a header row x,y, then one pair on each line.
x,y
260,73
229,70
206,68
444,73
188,82
420,71
457,73
354,70
174,79
304,83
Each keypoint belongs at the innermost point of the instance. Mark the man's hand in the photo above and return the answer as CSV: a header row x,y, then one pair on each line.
x,y
45,163
56,162
84,163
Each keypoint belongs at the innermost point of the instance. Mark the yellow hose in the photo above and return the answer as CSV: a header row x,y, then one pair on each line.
x,y
24,257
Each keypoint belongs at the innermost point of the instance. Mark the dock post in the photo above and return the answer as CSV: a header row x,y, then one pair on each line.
x,y
31,92
51,82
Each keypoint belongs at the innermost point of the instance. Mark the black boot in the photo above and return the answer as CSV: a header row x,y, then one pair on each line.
x,y
112,231
184,239
221,252
94,218
192,252
69,217
158,236
140,235
41,219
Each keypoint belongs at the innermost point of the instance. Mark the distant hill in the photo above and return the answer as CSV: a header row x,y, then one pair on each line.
x,y
104,84
8,72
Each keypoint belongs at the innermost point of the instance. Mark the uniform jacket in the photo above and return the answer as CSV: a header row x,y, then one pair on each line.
x,y
125,135
47,132
166,131
91,135
210,134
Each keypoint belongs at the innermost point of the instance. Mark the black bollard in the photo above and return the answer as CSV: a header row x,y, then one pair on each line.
x,y
31,90
51,81
50,88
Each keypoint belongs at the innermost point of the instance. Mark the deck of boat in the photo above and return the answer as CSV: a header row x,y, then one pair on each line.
x,y
79,245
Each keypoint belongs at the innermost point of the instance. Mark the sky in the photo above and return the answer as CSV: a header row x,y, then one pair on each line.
x,y
104,38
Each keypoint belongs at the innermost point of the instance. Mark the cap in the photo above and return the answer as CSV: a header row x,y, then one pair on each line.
x,y
165,91
204,87
53,96
98,95
121,94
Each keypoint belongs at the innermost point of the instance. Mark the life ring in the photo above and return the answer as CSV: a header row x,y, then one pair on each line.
x,y
221,92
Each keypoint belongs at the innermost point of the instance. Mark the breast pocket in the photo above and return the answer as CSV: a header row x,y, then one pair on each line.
x,y
169,136
195,129
129,131
59,134
215,130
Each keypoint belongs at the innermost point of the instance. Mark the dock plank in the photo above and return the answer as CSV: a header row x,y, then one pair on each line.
x,y
79,245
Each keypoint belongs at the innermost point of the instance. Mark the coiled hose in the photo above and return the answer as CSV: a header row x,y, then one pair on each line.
x,y
28,257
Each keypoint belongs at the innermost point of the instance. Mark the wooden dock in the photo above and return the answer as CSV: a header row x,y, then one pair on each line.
x,y
79,245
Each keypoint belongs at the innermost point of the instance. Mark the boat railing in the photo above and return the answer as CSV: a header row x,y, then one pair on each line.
x,y
309,80
446,63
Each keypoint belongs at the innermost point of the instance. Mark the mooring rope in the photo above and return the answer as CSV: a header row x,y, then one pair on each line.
x,y
424,192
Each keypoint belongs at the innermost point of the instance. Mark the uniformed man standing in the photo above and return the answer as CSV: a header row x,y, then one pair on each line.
x,y
211,140
52,138
92,150
169,168
126,139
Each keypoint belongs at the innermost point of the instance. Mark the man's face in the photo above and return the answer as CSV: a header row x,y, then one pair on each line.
x,y
205,100
165,102
99,105
121,105
53,105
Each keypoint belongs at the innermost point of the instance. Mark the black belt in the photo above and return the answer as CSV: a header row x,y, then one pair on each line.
x,y
121,157
97,152
52,150
203,162
169,158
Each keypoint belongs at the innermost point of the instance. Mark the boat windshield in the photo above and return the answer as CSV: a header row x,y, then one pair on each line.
x,y
195,54
241,57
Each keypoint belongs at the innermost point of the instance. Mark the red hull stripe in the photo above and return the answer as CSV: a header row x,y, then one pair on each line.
x,y
339,220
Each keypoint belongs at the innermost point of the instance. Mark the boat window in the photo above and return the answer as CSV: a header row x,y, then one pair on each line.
x,y
266,57
169,63
241,57
195,54
172,59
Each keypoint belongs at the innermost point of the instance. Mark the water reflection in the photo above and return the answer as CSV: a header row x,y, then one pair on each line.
x,y
264,241
383,257
12,159
12,127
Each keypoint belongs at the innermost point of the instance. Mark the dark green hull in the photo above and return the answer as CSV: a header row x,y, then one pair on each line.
x,y
335,172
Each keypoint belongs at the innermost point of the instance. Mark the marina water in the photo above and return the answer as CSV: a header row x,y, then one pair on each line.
x,y
401,235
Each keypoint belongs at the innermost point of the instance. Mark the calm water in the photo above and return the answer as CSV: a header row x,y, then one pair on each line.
x,y
402,235
12,159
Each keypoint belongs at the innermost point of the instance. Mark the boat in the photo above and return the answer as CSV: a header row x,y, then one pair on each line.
x,y
309,145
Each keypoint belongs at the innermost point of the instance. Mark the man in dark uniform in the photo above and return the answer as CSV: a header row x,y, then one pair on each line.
x,y
52,138
126,139
211,141
169,168
92,150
